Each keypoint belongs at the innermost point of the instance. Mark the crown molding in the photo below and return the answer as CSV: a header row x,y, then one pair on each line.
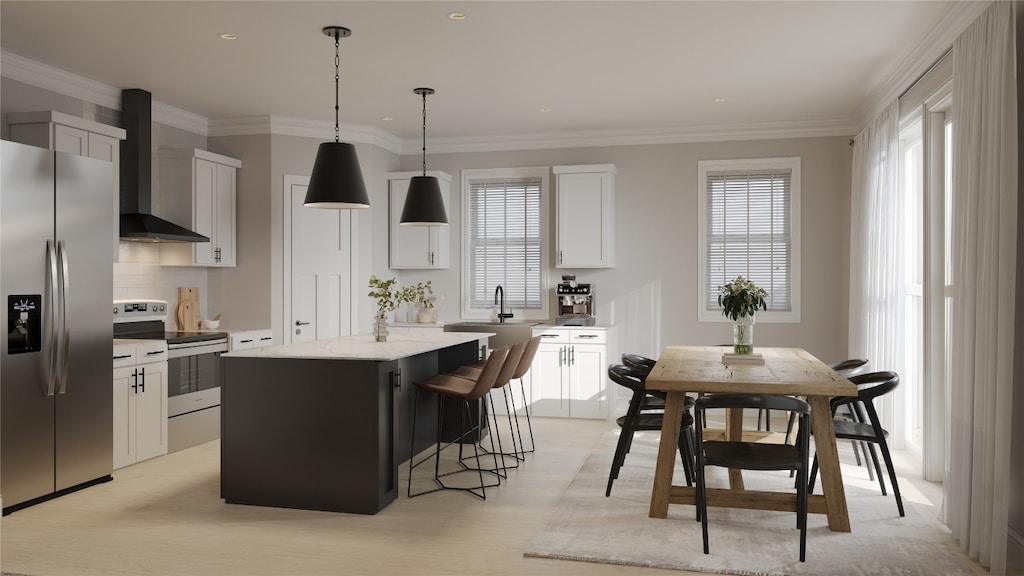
x,y
47,77
918,61
285,126
720,133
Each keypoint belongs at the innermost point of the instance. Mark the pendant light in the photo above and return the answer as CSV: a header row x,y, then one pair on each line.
x,y
424,205
336,181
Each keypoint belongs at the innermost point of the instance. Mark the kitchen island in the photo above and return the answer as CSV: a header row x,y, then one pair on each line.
x,y
324,425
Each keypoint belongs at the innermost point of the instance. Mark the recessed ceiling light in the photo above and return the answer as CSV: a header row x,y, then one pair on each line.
x,y
719,100
227,36
386,118
456,16
545,109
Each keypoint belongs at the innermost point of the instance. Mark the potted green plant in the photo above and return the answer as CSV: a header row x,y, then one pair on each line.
x,y
421,296
740,300
387,297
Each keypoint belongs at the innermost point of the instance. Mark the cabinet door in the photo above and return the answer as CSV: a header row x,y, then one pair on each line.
x,y
548,381
587,378
124,417
108,149
204,210
70,140
584,220
151,412
224,210
416,246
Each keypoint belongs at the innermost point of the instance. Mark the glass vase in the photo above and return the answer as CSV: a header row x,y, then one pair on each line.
x,y
743,335
380,328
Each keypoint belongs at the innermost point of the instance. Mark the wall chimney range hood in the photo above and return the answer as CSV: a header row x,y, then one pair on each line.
x,y
138,224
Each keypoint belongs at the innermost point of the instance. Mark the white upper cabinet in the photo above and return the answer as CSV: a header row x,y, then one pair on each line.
x,y
198,191
73,135
585,208
417,246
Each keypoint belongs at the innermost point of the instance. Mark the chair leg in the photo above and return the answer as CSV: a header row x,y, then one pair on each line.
x,y
789,425
526,410
702,495
892,473
686,454
510,402
619,458
878,468
814,474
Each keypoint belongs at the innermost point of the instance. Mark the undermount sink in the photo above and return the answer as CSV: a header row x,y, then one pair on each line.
x,y
505,333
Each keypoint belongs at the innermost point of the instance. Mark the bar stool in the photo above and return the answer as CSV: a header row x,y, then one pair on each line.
x,y
508,367
466,390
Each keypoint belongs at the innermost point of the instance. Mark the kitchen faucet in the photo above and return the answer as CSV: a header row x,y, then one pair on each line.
x,y
499,298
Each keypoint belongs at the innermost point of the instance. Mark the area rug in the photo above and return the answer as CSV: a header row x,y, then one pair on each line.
x,y
586,526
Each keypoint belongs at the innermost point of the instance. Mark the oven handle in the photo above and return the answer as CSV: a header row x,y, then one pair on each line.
x,y
196,350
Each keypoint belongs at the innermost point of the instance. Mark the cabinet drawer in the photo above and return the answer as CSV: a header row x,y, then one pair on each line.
x,y
124,355
552,335
242,340
578,336
151,352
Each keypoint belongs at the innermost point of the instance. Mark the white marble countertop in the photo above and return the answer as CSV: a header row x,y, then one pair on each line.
x,y
363,347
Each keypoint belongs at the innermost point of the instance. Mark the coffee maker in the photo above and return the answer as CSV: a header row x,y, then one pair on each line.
x,y
575,303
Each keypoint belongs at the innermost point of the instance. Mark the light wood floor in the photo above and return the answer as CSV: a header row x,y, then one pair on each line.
x,y
165,516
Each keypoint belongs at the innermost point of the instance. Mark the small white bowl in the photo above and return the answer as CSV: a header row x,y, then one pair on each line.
x,y
210,324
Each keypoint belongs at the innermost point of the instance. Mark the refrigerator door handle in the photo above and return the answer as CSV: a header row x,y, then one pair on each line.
x,y
51,376
62,255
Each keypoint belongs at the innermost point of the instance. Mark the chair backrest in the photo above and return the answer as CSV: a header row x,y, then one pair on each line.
x,y
874,384
638,361
527,360
848,367
515,353
628,376
489,375
769,401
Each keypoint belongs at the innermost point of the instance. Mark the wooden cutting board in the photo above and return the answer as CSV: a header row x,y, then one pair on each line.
x,y
188,314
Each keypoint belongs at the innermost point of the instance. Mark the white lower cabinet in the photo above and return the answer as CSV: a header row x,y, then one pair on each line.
x,y
567,377
140,402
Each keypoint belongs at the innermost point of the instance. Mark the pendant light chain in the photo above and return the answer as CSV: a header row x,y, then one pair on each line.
x,y
424,133
337,81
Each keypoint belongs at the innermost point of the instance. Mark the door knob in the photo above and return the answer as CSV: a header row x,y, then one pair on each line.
x,y
301,323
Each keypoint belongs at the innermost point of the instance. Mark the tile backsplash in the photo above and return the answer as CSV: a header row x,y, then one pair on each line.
x,y
138,274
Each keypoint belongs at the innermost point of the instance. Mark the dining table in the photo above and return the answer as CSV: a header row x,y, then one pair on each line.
x,y
787,371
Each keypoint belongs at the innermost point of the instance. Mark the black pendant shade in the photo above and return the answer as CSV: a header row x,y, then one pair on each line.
x,y
424,205
337,180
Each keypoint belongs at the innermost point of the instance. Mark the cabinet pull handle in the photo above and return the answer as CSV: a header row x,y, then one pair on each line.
x,y
549,335
142,385
265,338
155,352
122,356
559,256
246,341
587,336
561,356
396,379
431,257
135,381
572,355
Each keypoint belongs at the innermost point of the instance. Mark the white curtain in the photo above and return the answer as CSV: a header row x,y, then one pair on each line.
x,y
876,255
984,274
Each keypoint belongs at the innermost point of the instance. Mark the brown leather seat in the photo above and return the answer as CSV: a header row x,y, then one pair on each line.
x,y
467,390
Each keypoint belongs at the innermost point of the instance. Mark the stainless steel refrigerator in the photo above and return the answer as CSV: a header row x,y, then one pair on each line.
x,y
56,281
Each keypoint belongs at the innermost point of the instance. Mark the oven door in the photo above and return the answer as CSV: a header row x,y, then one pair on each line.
x,y
193,378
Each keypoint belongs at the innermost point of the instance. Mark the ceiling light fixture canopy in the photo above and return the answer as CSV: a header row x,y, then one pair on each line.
x,y
336,180
424,205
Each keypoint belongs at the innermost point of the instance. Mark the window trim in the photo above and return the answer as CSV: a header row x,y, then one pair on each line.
x,y
468,174
703,167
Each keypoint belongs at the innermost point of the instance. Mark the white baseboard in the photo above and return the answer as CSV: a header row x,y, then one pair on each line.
x,y
1014,553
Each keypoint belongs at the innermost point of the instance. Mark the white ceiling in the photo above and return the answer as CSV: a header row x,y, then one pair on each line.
x,y
607,68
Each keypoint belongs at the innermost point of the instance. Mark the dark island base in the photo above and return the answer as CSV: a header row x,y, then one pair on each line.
x,y
326,434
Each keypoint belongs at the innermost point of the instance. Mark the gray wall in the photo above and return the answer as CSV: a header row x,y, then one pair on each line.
x,y
651,294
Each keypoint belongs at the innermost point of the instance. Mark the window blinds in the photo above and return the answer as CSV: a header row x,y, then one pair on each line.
x,y
749,233
505,242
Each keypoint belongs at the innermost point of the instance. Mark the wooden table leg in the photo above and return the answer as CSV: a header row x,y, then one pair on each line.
x,y
734,433
667,454
828,464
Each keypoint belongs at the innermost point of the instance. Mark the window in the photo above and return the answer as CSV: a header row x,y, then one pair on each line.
x,y
750,227
503,241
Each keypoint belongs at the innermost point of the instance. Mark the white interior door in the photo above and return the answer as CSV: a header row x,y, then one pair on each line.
x,y
318,268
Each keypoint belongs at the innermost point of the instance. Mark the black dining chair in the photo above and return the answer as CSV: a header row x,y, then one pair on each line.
x,y
637,419
867,428
754,456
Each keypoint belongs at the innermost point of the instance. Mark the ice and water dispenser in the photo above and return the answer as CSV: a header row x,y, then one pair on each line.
x,y
24,323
